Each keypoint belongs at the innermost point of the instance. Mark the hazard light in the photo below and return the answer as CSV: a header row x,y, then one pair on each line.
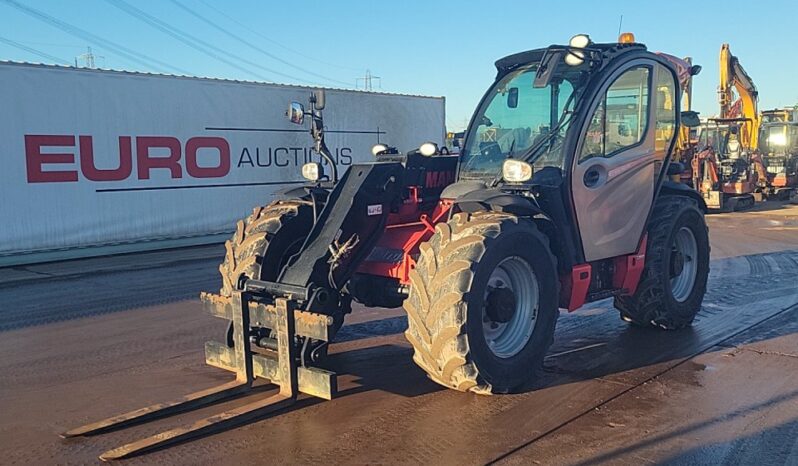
x,y
626,38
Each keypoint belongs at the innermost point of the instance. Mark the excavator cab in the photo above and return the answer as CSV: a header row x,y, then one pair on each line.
x,y
778,144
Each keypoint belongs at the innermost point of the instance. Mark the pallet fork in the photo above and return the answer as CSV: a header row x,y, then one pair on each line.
x,y
276,306
282,369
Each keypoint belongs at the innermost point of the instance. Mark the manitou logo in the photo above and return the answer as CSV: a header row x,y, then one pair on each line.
x,y
36,159
439,179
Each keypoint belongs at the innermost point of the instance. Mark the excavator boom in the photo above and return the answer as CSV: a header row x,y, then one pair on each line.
x,y
734,77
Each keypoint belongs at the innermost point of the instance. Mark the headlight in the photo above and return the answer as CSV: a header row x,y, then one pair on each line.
x,y
577,57
312,171
516,171
574,58
378,149
428,149
579,41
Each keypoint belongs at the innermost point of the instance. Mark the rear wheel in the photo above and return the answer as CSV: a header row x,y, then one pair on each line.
x,y
483,302
674,279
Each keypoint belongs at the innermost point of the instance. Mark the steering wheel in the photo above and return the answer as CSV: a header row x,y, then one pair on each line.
x,y
491,151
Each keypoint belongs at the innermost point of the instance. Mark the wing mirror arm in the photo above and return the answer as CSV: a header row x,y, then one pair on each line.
x,y
296,114
319,146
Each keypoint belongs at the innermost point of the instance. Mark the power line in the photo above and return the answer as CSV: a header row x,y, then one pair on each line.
x,y
117,49
251,45
33,51
253,31
196,43
50,44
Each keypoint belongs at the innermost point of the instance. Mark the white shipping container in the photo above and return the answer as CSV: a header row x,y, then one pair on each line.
x,y
104,161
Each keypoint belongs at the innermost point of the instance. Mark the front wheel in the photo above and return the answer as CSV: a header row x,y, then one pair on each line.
x,y
674,279
483,302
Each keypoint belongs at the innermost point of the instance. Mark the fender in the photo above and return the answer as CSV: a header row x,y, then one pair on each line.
x,y
303,193
292,193
481,199
681,189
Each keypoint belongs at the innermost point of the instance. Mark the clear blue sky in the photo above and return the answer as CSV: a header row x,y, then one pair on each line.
x,y
421,47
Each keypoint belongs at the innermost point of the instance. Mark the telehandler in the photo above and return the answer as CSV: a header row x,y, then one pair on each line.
x,y
560,196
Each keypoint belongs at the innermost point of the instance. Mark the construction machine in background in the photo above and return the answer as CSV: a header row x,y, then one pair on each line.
x,y
686,142
734,79
778,144
453,142
727,169
728,177
560,196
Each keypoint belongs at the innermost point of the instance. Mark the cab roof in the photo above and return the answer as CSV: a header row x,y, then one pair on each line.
x,y
510,62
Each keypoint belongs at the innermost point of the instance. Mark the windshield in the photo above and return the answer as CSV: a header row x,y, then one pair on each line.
x,y
514,118
723,139
779,139
711,137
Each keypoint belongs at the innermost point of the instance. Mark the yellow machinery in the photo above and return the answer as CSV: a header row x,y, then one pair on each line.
x,y
727,169
734,77
686,140
778,144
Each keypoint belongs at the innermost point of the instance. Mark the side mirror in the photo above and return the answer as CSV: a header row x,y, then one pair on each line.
x,y
675,168
695,69
319,99
296,113
512,97
690,119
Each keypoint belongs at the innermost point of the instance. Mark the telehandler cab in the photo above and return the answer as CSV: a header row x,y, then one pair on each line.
x,y
560,196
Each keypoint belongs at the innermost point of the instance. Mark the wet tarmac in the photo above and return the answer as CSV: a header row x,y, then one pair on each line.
x,y
81,341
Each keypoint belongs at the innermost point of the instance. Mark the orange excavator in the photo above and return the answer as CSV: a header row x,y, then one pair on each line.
x,y
728,170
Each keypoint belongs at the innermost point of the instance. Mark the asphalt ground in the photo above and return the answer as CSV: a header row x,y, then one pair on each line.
x,y
82,340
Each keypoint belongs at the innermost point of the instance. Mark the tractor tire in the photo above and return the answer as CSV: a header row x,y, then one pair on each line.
x,y
454,323
263,243
678,249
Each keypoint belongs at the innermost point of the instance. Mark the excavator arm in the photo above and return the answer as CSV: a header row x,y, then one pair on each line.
x,y
734,77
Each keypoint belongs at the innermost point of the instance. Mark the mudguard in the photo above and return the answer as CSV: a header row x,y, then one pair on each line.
x,y
473,197
681,189
292,193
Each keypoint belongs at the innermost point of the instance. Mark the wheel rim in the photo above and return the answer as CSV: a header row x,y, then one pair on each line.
x,y
507,335
685,249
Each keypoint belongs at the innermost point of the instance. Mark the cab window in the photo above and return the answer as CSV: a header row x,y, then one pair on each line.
x,y
666,109
621,118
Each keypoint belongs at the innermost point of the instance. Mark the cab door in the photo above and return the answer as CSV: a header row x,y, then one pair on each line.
x,y
619,157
